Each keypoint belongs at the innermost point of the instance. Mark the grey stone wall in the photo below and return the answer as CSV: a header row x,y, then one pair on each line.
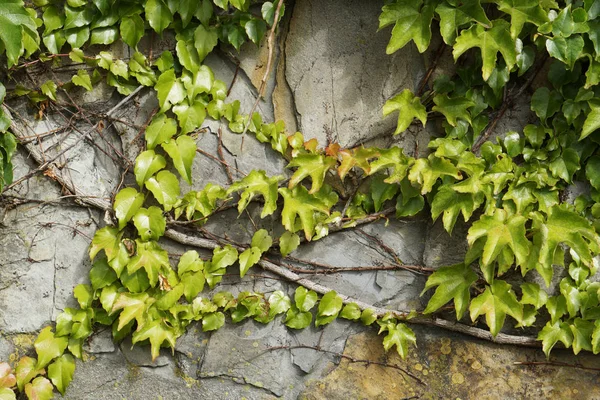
x,y
330,79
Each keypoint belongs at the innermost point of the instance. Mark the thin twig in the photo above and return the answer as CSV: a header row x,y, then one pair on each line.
x,y
556,364
263,82
349,358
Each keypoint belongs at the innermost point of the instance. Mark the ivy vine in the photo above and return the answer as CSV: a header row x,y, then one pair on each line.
x,y
509,186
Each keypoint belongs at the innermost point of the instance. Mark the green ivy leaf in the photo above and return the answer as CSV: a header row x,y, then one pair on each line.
x,y
190,261
565,166
182,151
170,90
305,299
222,258
452,203
313,165
147,164
84,295
582,335
170,297
248,258
426,171
497,301
205,41
298,203
452,282
156,332
409,107
257,182
165,188
567,50
351,311
49,89
565,226
297,319
133,306
160,130
255,29
451,19
158,15
592,121
151,257
132,29
127,202
82,79
213,321
61,372
453,108
491,42
279,303
53,20
14,19
401,336
500,231
150,223
7,394
288,242
391,159
382,191
102,275
534,295
48,347
522,11
554,332
26,370
412,22
190,116
329,308
107,298
39,389
104,35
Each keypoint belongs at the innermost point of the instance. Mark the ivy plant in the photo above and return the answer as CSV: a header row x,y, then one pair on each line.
x,y
508,187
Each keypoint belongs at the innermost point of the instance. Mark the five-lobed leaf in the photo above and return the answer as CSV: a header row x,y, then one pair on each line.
x,y
409,107
257,182
314,166
401,336
497,301
453,282
412,21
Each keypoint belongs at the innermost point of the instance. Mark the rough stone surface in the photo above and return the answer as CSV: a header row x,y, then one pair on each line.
x,y
330,78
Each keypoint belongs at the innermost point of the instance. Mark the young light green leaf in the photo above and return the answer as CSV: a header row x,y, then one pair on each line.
x,y
305,299
297,319
49,89
497,301
182,151
409,107
313,165
248,258
452,203
491,42
133,306
82,79
170,90
205,40
329,308
522,11
158,14
582,335
61,372
392,160
14,18
156,332
127,202
453,108
534,295
500,231
592,121
190,116
102,275
150,223
170,297
190,261
151,257
279,303
401,336
554,332
39,389
298,203
147,164
132,29
84,295
288,242
351,311
426,171
160,130
452,282
26,370
213,321
48,347
412,22
262,240
193,284
257,182
165,188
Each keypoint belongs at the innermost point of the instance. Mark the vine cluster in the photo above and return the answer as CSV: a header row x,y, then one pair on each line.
x,y
511,190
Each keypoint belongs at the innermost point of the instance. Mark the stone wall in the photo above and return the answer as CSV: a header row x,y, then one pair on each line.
x,y
330,79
